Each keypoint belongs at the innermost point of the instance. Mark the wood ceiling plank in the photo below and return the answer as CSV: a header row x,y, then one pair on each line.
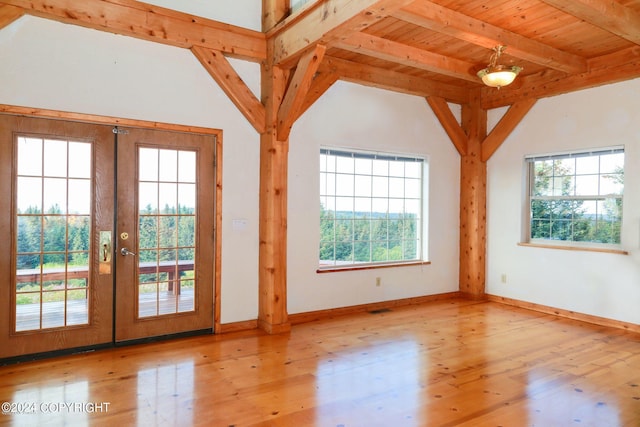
x,y
325,23
151,23
8,14
406,55
606,14
616,67
392,80
232,84
437,18
297,90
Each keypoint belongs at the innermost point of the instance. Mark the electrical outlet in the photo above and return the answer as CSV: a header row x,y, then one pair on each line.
x,y
378,281
503,278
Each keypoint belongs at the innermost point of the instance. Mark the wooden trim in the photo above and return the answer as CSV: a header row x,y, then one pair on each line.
x,y
568,314
297,90
232,84
8,14
575,248
449,123
104,120
370,267
246,325
217,254
311,316
505,126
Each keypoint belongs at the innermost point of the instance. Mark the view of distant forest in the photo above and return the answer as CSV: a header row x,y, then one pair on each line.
x,y
349,237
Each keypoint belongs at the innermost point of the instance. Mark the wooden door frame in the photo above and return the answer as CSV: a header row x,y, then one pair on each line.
x,y
116,121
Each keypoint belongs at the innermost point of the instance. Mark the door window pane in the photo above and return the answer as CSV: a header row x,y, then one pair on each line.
x,y
52,259
166,231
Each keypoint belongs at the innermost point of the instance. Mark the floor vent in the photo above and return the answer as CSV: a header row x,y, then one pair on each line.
x,y
382,310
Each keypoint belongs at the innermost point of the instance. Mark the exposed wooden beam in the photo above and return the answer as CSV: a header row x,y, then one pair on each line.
x,y
140,20
274,160
505,126
392,80
273,11
473,201
438,18
232,84
320,84
297,90
606,14
612,68
403,54
325,23
8,14
449,123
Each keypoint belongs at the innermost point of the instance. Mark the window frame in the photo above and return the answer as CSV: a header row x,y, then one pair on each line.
x,y
529,164
420,225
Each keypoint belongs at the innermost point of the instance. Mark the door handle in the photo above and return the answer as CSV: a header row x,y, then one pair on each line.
x,y
125,252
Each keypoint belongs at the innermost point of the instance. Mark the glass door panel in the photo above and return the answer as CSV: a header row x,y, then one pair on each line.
x,y
53,213
165,280
166,231
53,296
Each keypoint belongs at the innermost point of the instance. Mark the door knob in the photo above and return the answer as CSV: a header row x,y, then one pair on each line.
x,y
125,252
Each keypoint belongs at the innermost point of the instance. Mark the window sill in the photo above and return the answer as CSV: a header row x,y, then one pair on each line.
x,y
608,250
352,267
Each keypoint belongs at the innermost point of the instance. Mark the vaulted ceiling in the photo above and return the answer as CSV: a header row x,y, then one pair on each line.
x,y
421,47
436,47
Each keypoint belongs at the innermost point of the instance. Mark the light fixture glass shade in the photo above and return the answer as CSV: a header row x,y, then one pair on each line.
x,y
499,75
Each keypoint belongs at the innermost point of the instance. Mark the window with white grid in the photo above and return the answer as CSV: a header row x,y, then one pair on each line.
x,y
370,208
576,197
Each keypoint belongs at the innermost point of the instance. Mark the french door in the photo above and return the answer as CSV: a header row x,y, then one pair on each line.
x,y
107,234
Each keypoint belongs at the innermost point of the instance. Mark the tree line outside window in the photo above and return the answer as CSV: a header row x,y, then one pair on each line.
x,y
370,207
577,197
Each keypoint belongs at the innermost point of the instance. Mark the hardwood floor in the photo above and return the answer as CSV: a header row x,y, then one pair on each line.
x,y
446,363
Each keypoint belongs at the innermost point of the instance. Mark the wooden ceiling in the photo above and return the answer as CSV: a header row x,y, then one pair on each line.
x,y
436,47
421,47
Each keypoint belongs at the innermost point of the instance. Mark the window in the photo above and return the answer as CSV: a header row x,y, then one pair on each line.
x,y
576,197
53,217
370,208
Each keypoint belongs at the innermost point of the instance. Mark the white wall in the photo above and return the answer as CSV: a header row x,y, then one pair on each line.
x,y
354,116
598,284
45,64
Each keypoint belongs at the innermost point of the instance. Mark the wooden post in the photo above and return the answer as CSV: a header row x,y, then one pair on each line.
x,y
473,199
272,269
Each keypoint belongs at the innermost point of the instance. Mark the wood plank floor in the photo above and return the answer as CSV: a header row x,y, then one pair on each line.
x,y
446,363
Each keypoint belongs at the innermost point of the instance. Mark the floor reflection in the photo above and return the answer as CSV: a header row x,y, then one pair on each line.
x,y
55,404
166,395
356,386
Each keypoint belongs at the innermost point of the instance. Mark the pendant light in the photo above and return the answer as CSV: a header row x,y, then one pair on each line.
x,y
497,75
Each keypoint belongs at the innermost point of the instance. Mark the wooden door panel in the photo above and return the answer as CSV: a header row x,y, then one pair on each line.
x,y
49,333
153,286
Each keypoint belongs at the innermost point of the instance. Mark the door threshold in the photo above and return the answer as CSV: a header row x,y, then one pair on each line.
x,y
90,349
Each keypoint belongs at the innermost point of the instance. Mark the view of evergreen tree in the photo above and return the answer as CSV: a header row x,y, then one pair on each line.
x,y
348,237
558,214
